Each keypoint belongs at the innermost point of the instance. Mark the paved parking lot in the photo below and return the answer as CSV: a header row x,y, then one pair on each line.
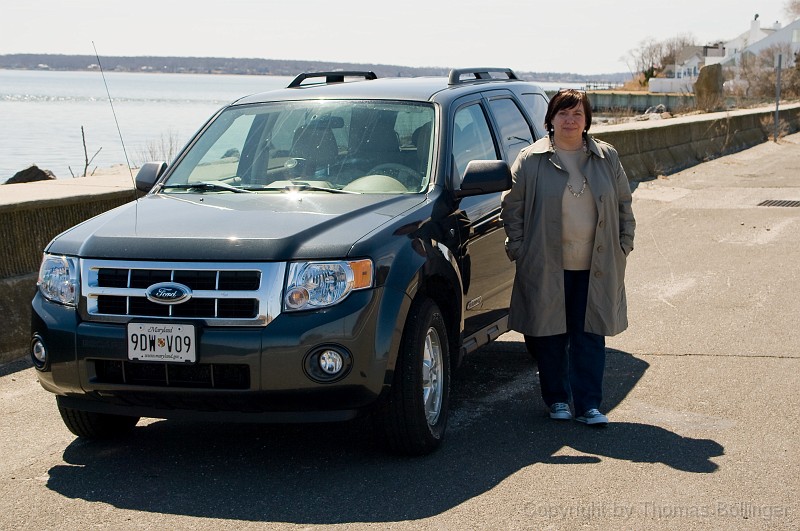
x,y
701,390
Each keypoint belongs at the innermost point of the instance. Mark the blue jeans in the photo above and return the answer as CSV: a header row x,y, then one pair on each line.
x,y
571,365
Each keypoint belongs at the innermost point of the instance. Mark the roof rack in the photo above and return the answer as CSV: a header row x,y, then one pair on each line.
x,y
478,73
331,77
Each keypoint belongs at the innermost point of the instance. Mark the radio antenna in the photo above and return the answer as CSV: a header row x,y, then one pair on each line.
x,y
111,102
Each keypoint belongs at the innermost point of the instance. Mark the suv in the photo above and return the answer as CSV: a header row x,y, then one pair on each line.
x,y
314,253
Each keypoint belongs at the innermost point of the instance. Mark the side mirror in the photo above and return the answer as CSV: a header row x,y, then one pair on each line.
x,y
149,174
485,177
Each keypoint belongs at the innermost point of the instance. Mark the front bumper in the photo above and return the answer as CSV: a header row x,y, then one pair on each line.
x,y
249,374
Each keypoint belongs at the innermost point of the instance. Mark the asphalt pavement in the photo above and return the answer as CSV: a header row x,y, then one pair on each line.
x,y
702,392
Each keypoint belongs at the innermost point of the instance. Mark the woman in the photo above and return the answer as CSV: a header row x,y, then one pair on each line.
x,y
569,226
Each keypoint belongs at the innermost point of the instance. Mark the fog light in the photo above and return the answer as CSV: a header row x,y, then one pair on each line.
x,y
38,352
328,363
331,362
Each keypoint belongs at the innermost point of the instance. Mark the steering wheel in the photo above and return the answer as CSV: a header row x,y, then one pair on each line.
x,y
376,183
411,178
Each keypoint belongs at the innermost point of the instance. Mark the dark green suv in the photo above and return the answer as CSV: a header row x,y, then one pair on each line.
x,y
314,253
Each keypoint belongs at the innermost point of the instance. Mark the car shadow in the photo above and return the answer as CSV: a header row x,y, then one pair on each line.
x,y
339,473
17,365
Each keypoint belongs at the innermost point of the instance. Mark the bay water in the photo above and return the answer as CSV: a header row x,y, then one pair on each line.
x,y
42,112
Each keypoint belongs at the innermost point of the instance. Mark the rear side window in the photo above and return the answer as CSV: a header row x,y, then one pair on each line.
x,y
472,139
536,105
515,133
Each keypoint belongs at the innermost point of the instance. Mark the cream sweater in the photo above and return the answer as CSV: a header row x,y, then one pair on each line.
x,y
578,214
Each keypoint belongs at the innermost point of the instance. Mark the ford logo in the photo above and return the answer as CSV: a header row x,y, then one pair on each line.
x,y
168,293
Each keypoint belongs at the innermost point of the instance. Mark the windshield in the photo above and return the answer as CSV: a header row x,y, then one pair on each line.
x,y
317,145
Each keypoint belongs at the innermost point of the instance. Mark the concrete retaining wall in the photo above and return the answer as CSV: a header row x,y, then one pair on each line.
x,y
32,214
658,147
609,100
25,228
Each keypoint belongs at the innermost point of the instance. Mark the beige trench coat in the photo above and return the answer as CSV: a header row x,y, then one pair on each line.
x,y
532,220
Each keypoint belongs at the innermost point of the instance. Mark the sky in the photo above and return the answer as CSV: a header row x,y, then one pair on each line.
x,y
579,36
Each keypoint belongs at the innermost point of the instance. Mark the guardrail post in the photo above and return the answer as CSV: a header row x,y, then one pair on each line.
x,y
777,94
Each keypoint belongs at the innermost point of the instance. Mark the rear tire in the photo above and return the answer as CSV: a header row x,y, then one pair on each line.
x,y
96,425
415,414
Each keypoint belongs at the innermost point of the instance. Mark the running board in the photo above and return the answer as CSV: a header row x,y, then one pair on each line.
x,y
484,336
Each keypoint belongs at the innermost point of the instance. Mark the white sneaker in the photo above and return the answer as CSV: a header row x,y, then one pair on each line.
x,y
592,417
560,411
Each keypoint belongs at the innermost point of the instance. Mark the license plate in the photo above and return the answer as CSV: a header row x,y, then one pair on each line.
x,y
161,342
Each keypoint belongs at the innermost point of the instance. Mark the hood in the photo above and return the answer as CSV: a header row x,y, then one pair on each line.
x,y
233,227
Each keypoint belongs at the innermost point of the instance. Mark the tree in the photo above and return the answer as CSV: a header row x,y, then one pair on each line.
x,y
86,158
674,46
652,56
792,8
757,76
646,59
764,81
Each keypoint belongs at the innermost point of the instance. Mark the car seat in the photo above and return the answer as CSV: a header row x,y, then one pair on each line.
x,y
314,147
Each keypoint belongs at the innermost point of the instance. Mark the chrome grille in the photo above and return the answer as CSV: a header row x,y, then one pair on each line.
x,y
223,294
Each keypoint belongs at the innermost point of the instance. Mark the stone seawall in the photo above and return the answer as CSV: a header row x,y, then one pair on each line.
x,y
657,147
609,100
32,214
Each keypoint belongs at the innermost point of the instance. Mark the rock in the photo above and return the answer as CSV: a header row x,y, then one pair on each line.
x,y
30,175
708,90
658,109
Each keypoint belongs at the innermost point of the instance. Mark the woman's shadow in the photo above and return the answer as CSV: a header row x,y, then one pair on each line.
x,y
338,473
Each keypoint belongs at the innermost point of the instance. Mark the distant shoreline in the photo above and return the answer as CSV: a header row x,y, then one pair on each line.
x,y
255,66
51,107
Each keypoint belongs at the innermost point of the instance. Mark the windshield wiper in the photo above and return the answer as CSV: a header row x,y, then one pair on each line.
x,y
302,187
206,185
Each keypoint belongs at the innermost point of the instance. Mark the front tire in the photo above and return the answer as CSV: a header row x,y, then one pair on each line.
x,y
96,425
415,417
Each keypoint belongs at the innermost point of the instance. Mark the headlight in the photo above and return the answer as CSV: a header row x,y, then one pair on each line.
x,y
311,285
58,279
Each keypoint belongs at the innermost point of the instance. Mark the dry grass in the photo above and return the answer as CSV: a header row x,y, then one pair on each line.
x,y
637,84
768,124
165,148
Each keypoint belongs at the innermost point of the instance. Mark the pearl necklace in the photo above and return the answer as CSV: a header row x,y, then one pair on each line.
x,y
571,189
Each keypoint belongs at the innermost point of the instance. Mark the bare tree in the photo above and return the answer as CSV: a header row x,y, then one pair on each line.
x,y
165,148
757,76
646,59
765,78
652,56
792,8
672,47
86,158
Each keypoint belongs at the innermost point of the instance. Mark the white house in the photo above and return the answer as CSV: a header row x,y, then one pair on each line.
x,y
684,72
692,58
734,47
787,38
